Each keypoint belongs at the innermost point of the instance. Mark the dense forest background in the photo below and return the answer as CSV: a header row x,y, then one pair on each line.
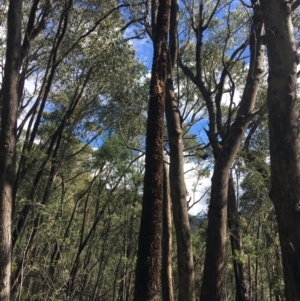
x,y
107,107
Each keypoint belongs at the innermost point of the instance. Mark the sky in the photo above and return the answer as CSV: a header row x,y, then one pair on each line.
x,y
198,191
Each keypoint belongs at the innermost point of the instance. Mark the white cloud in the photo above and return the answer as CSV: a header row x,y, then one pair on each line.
x,y
198,189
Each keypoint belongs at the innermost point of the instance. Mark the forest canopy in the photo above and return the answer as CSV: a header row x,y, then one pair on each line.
x,y
149,150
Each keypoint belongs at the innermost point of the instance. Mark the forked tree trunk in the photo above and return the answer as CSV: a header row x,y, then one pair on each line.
x,y
10,101
147,281
213,276
284,137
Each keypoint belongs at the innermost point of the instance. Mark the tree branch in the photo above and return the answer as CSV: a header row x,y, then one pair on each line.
x,y
295,4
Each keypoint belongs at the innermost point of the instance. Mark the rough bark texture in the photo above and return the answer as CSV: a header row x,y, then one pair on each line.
x,y
213,275
8,141
147,282
166,271
284,137
241,289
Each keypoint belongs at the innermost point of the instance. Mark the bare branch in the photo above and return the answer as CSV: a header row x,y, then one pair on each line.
x,y
295,4
246,5
211,15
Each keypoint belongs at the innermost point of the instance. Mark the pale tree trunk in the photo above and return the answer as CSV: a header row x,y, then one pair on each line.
x,y
166,271
147,278
213,276
185,265
284,136
10,101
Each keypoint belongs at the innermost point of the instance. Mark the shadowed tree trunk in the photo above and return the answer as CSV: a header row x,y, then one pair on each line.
x,y
284,136
147,281
10,102
185,266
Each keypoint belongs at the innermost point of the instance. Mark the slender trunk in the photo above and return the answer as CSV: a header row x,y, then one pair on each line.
x,y
166,271
236,245
250,279
213,275
256,259
284,137
186,278
147,281
10,102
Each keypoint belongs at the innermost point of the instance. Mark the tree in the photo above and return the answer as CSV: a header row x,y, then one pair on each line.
x,y
284,135
185,264
231,133
166,253
9,108
147,282
79,113
79,150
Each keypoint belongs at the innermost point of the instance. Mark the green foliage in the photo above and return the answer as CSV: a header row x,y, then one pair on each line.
x,y
80,177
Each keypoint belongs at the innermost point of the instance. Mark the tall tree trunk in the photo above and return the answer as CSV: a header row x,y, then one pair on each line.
x,y
284,136
236,245
186,278
147,281
10,102
166,273
213,275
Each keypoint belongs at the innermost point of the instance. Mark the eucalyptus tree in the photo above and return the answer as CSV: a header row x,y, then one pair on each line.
x,y
147,282
166,253
72,101
9,107
91,122
73,72
85,246
182,112
185,264
211,76
261,248
284,135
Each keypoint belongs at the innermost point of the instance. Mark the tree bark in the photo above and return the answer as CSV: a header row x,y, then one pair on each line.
x,y
147,281
284,137
166,271
185,265
213,275
186,279
10,102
